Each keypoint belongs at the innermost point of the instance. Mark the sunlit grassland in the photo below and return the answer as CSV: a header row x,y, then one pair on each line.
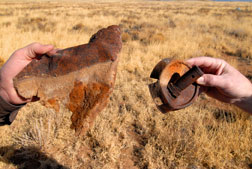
x,y
131,132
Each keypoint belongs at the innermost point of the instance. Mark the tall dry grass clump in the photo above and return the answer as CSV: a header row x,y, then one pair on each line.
x,y
131,132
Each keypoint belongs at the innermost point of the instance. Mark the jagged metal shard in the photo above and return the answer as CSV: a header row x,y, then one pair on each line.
x,y
80,78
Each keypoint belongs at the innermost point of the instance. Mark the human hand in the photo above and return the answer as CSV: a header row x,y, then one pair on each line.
x,y
15,64
223,82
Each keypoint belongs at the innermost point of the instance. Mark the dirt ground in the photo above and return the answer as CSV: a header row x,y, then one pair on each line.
x,y
131,132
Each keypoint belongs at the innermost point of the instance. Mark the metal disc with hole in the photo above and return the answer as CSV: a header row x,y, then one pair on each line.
x,y
169,71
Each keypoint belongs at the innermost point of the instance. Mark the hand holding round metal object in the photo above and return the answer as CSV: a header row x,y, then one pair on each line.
x,y
176,87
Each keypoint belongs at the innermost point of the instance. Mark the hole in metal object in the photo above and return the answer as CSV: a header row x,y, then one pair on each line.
x,y
171,88
174,78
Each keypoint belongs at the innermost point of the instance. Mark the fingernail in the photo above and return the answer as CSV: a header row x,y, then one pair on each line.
x,y
201,80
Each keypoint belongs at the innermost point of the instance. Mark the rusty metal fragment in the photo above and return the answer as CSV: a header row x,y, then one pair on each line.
x,y
80,78
175,87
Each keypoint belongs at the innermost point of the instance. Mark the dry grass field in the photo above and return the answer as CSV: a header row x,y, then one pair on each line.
x,y
131,132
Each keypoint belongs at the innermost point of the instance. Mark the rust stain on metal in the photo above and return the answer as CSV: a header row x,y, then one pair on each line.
x,y
86,101
52,103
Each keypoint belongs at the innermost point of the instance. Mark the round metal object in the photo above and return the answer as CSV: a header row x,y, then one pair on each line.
x,y
168,72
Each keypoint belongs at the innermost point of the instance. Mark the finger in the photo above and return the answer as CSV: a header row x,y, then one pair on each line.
x,y
15,98
210,80
208,64
52,52
21,58
35,49
9,94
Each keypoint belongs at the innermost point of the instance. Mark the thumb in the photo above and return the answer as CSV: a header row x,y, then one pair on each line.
x,y
210,80
35,49
22,58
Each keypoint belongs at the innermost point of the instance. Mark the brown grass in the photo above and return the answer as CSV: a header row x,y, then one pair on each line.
x,y
131,132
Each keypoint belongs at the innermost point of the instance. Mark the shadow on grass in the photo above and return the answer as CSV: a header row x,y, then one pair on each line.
x,y
28,158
